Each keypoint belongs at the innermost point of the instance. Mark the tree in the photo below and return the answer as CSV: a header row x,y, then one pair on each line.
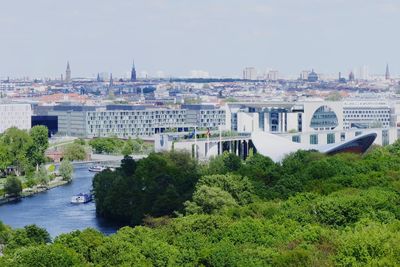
x,y
31,181
209,200
157,185
42,177
39,135
19,142
13,186
74,152
127,148
227,162
37,234
128,165
259,167
137,145
239,187
5,159
66,170
44,255
106,145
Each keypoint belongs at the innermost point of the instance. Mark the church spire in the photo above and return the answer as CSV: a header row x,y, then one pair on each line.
x,y
111,80
387,74
133,72
68,73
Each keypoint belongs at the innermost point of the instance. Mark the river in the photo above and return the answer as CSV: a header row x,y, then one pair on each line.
x,y
52,209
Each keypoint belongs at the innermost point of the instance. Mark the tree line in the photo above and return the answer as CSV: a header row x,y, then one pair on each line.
x,y
23,150
114,145
22,153
309,210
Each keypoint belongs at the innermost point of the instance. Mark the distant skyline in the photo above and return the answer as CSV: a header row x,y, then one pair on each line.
x,y
215,37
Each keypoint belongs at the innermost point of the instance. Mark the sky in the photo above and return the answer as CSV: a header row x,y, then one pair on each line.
x,y
179,37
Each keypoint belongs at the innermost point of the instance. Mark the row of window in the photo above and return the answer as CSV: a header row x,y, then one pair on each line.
x,y
365,111
330,138
367,116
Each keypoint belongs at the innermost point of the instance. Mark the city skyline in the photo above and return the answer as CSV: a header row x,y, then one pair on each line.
x,y
175,38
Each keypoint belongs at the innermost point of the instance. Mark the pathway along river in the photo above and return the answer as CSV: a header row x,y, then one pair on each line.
x,y
52,209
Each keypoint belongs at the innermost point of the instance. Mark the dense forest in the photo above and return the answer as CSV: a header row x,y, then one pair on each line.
x,y
308,210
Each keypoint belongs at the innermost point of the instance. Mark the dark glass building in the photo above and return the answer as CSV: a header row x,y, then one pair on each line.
x,y
51,122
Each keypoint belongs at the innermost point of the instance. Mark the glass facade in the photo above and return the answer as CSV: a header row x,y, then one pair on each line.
x,y
314,139
296,138
330,138
324,119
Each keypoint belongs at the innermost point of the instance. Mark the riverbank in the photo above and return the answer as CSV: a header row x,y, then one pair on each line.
x,y
27,192
53,209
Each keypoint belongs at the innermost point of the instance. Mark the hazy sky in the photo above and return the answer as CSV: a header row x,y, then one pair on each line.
x,y
177,36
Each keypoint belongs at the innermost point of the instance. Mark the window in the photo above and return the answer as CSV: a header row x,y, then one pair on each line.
x,y
314,139
330,138
324,117
358,133
342,137
296,139
385,137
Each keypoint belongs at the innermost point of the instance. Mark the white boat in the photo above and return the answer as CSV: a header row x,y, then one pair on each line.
x,y
97,168
81,198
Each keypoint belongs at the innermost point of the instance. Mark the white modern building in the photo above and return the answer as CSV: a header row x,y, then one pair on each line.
x,y
15,115
126,121
315,122
368,114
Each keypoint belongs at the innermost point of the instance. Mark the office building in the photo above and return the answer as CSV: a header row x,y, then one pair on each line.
x,y
126,121
315,122
51,122
367,114
15,115
273,75
250,73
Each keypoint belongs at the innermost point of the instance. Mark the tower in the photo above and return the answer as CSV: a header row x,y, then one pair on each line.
x,y
133,72
98,79
387,74
111,81
351,76
68,73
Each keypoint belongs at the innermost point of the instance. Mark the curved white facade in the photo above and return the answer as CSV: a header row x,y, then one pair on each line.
x,y
277,148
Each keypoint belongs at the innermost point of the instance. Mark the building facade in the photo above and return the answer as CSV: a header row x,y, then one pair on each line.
x,y
126,121
315,122
15,115
367,114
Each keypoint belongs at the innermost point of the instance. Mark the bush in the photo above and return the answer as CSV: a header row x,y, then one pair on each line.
x,y
13,186
74,152
66,170
52,168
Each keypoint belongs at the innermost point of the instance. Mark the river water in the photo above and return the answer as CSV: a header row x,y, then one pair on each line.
x,y
52,209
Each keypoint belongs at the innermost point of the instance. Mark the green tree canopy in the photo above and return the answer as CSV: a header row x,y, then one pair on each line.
x,y
74,151
66,170
13,186
40,142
